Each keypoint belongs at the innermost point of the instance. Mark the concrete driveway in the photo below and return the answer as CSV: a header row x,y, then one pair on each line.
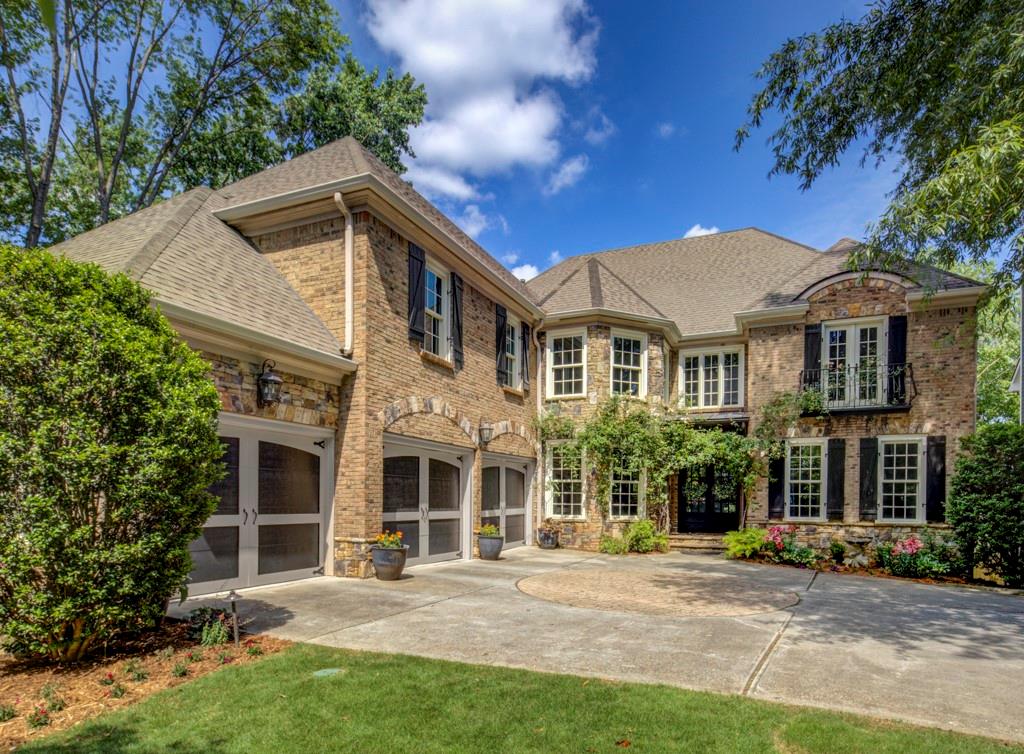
x,y
945,656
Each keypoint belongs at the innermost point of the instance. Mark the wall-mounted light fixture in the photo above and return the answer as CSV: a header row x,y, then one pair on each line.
x,y
486,432
268,385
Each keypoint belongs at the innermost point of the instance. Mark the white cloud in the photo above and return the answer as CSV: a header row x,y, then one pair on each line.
x,y
665,130
554,257
599,127
510,257
567,174
473,221
525,271
485,67
700,230
438,182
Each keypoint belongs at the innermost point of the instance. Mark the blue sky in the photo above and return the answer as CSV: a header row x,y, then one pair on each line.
x,y
558,127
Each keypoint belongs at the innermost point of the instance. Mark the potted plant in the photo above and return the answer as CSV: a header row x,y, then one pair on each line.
x,y
547,537
389,555
490,542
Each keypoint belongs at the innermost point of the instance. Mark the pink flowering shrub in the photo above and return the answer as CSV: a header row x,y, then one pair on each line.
x,y
777,536
909,546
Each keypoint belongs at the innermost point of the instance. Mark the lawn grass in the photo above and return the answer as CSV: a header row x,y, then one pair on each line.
x,y
395,703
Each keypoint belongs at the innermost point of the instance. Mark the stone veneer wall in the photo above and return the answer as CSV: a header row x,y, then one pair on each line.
x,y
941,348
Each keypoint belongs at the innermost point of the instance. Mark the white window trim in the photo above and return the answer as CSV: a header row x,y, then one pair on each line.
x,y
922,481
549,367
515,378
641,508
549,503
720,353
823,500
852,362
446,312
642,337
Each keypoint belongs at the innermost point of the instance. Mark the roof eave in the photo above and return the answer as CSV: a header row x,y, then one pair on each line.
x,y
238,212
770,316
669,327
947,296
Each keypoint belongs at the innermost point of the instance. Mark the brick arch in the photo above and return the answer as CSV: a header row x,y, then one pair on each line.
x,y
893,282
509,427
432,405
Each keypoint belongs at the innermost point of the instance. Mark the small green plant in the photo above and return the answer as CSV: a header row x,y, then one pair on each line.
x,y
166,653
612,545
489,530
837,550
117,691
39,717
135,671
745,543
642,536
224,658
253,649
108,680
180,670
214,634
194,655
7,712
50,693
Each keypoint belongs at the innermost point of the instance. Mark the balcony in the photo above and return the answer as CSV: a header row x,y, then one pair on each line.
x,y
863,387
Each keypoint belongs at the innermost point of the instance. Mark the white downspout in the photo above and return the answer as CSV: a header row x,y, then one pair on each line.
x,y
540,471
350,256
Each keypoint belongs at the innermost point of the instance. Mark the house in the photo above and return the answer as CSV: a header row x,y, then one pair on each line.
x,y
411,367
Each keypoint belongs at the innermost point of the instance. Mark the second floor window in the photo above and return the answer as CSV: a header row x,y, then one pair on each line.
x,y
435,329
566,370
511,375
712,379
628,363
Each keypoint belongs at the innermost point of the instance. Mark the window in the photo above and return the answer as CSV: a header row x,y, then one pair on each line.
x,y
565,483
901,486
629,365
805,479
435,324
713,379
626,493
512,353
853,367
566,364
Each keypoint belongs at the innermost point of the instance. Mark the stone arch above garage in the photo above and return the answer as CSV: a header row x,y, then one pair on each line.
x,y
400,414
512,438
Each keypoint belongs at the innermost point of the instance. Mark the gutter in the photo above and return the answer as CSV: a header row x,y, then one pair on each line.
x,y
667,325
346,347
369,180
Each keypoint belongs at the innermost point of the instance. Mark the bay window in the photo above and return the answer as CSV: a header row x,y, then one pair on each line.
x,y
566,364
629,364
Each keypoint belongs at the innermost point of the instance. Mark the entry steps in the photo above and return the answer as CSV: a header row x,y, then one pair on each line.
x,y
695,542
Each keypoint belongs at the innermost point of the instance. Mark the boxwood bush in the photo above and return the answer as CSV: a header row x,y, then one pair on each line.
x,y
108,444
986,501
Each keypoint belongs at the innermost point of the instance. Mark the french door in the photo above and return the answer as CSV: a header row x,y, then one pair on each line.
x,y
423,492
854,373
269,525
503,499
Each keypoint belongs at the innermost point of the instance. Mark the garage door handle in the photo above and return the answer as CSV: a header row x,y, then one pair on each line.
x,y
255,515
246,519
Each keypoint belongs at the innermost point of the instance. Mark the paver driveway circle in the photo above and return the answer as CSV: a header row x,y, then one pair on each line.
x,y
657,592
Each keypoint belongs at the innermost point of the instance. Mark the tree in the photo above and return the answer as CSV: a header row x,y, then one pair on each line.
x,y
108,443
937,84
986,501
146,98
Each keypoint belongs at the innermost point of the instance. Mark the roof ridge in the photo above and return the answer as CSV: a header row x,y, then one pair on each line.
x,y
139,263
594,273
630,288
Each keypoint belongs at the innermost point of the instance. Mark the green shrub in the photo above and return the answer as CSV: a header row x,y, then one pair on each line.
x,y
745,543
910,558
39,717
612,545
108,443
214,634
837,550
642,536
782,547
986,501
180,670
50,694
7,712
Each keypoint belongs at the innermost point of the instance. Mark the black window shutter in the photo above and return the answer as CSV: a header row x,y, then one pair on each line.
x,y
812,357
835,498
417,263
935,485
500,320
525,360
777,488
868,478
457,355
897,359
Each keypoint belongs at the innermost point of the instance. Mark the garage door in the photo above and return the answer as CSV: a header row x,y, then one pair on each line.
x,y
504,497
424,490
270,522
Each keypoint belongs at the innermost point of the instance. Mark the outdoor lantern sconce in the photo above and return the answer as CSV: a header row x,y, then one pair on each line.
x,y
486,433
268,385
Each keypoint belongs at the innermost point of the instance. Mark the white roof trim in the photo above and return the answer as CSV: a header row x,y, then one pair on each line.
x,y
658,323
925,295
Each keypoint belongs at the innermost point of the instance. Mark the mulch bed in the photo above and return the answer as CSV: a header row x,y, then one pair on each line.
x,y
139,667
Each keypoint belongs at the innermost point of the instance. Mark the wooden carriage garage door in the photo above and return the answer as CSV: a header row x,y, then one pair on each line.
x,y
270,522
503,497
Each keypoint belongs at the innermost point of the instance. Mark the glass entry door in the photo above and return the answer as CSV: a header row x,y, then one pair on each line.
x,y
423,500
503,500
269,522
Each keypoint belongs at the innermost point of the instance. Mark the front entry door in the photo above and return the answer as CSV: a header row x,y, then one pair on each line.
x,y
503,500
269,522
423,500
708,500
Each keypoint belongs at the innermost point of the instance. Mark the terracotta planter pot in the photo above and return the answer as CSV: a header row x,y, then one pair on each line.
x,y
490,547
548,540
388,564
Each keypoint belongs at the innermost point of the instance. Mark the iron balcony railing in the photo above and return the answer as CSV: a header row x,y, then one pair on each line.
x,y
862,386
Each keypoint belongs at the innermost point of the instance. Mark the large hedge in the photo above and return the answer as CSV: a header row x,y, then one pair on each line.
x,y
986,501
107,446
